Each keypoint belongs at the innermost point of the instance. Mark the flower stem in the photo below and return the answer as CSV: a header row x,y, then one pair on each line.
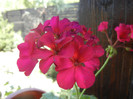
x,y
105,63
109,40
115,43
77,91
82,93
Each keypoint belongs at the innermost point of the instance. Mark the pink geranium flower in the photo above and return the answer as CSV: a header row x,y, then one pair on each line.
x,y
123,32
103,26
131,27
72,49
78,69
48,35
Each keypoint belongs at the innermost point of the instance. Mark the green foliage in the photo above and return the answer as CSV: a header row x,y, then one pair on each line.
x,y
7,35
41,3
33,3
6,83
11,88
59,4
88,97
8,93
66,94
49,96
110,50
8,5
0,95
52,73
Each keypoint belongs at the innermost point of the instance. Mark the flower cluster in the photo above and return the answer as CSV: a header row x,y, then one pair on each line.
x,y
71,47
124,34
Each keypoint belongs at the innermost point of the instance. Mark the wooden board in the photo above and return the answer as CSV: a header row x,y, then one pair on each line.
x,y
114,82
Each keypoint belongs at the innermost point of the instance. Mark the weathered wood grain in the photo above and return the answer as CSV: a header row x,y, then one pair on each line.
x,y
114,82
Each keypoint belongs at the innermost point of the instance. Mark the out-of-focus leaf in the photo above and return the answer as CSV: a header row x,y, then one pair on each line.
x,y
8,93
18,88
12,87
49,96
88,97
6,83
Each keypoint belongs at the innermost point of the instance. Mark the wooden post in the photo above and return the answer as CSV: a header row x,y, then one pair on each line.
x,y
114,82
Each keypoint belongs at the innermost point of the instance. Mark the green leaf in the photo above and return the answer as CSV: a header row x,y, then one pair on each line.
x,y
88,97
49,96
8,93
6,83
12,87
18,88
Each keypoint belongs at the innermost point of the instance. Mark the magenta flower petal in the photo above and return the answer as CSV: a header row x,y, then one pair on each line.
x,y
65,78
48,40
92,64
84,29
98,51
41,53
63,41
103,26
89,31
79,40
63,25
62,63
24,49
46,23
131,27
132,35
26,65
39,29
31,37
85,53
85,78
123,32
54,23
92,40
67,51
45,64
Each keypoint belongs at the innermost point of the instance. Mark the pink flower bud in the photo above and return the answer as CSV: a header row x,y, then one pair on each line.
x,y
103,26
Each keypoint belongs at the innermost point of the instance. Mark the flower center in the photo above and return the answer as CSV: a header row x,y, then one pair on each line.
x,y
77,63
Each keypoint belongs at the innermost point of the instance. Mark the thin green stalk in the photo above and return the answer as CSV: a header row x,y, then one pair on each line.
x,y
105,63
77,91
82,93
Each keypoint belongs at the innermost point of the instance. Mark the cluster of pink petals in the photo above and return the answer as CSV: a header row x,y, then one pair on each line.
x,y
71,47
103,26
124,32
